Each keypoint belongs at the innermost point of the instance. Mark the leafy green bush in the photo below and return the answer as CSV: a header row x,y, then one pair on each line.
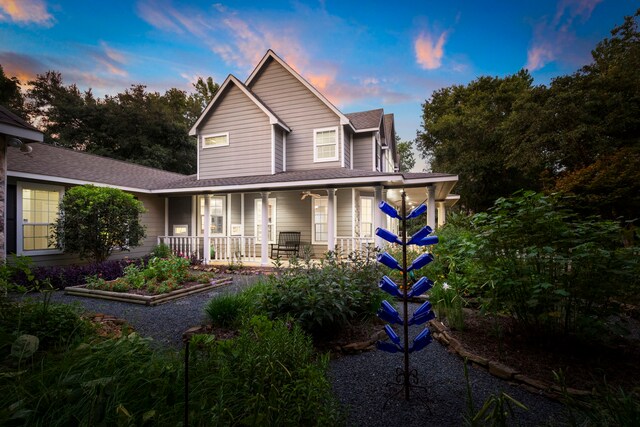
x,y
55,325
448,304
551,270
161,250
323,298
229,310
269,375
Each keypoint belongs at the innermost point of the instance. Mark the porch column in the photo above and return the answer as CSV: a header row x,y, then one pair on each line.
x,y
442,213
378,215
331,219
431,206
264,236
166,216
206,225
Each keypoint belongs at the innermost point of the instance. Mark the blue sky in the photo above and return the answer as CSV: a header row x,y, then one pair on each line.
x,y
360,54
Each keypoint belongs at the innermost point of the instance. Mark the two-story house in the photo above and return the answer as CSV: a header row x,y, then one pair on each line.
x,y
274,155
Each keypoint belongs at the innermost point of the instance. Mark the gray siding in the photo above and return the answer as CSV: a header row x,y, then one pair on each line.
x,y
301,110
362,151
249,149
236,210
180,213
344,212
347,149
279,157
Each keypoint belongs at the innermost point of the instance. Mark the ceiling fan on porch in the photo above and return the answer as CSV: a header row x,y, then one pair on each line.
x,y
306,194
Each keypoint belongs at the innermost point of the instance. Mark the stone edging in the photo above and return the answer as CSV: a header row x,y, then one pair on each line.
x,y
150,300
440,332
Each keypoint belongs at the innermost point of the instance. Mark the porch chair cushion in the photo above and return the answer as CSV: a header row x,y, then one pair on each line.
x,y
288,242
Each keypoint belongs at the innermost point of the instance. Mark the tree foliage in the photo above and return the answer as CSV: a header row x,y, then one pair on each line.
x,y
95,220
139,126
503,134
11,95
405,153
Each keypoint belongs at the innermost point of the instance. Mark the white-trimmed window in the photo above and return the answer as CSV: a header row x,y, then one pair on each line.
x,y
217,213
215,140
320,212
38,207
366,217
271,217
325,144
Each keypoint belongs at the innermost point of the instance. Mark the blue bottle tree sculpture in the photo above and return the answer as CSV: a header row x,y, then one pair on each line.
x,y
387,312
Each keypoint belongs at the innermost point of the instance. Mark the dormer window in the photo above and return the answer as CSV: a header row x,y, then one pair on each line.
x,y
215,140
325,144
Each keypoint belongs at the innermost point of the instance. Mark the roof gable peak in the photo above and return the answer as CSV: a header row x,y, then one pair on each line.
x,y
271,55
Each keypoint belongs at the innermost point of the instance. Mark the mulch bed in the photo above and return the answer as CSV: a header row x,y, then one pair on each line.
x,y
584,365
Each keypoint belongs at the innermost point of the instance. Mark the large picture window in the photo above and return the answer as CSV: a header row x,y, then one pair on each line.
x,y
38,210
217,213
325,145
271,217
320,220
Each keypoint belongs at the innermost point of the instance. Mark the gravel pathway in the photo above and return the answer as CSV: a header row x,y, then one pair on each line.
x,y
360,382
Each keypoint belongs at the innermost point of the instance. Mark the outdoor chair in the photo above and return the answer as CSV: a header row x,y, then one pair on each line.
x,y
288,243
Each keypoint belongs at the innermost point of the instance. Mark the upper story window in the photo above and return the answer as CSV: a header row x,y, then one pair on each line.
x,y
38,207
325,144
215,140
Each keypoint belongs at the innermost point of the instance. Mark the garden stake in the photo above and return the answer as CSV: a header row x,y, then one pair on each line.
x,y
187,340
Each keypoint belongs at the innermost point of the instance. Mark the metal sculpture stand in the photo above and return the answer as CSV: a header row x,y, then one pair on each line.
x,y
406,378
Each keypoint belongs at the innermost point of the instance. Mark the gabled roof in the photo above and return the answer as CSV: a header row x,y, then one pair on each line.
x,y
271,55
50,163
11,124
366,121
231,79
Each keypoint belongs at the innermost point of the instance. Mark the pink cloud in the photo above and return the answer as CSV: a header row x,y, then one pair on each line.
x,y
26,12
556,40
430,50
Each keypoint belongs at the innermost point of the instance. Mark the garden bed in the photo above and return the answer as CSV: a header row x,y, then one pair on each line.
x,y
137,297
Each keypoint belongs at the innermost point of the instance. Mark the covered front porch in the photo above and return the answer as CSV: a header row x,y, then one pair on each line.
x,y
335,218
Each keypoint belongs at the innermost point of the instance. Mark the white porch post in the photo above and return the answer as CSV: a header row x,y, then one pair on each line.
x,y
431,206
331,220
242,241
264,236
207,229
378,215
442,213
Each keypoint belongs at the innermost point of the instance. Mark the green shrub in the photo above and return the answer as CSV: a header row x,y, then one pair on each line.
x,y
448,304
161,250
269,375
324,298
229,310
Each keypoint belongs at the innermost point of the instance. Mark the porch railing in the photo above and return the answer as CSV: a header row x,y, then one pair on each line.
x,y
221,248
346,245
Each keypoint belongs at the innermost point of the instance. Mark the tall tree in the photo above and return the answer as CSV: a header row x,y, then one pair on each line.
x,y
405,153
463,132
11,94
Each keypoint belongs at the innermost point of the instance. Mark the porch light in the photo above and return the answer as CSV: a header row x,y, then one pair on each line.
x,y
422,233
421,341
388,236
389,314
420,287
389,261
392,335
389,210
390,287
416,212
419,262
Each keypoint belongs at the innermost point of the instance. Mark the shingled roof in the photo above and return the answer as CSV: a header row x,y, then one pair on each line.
x,y
11,124
366,119
58,164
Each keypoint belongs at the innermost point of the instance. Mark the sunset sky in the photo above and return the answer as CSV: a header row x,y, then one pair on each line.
x,y
361,55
